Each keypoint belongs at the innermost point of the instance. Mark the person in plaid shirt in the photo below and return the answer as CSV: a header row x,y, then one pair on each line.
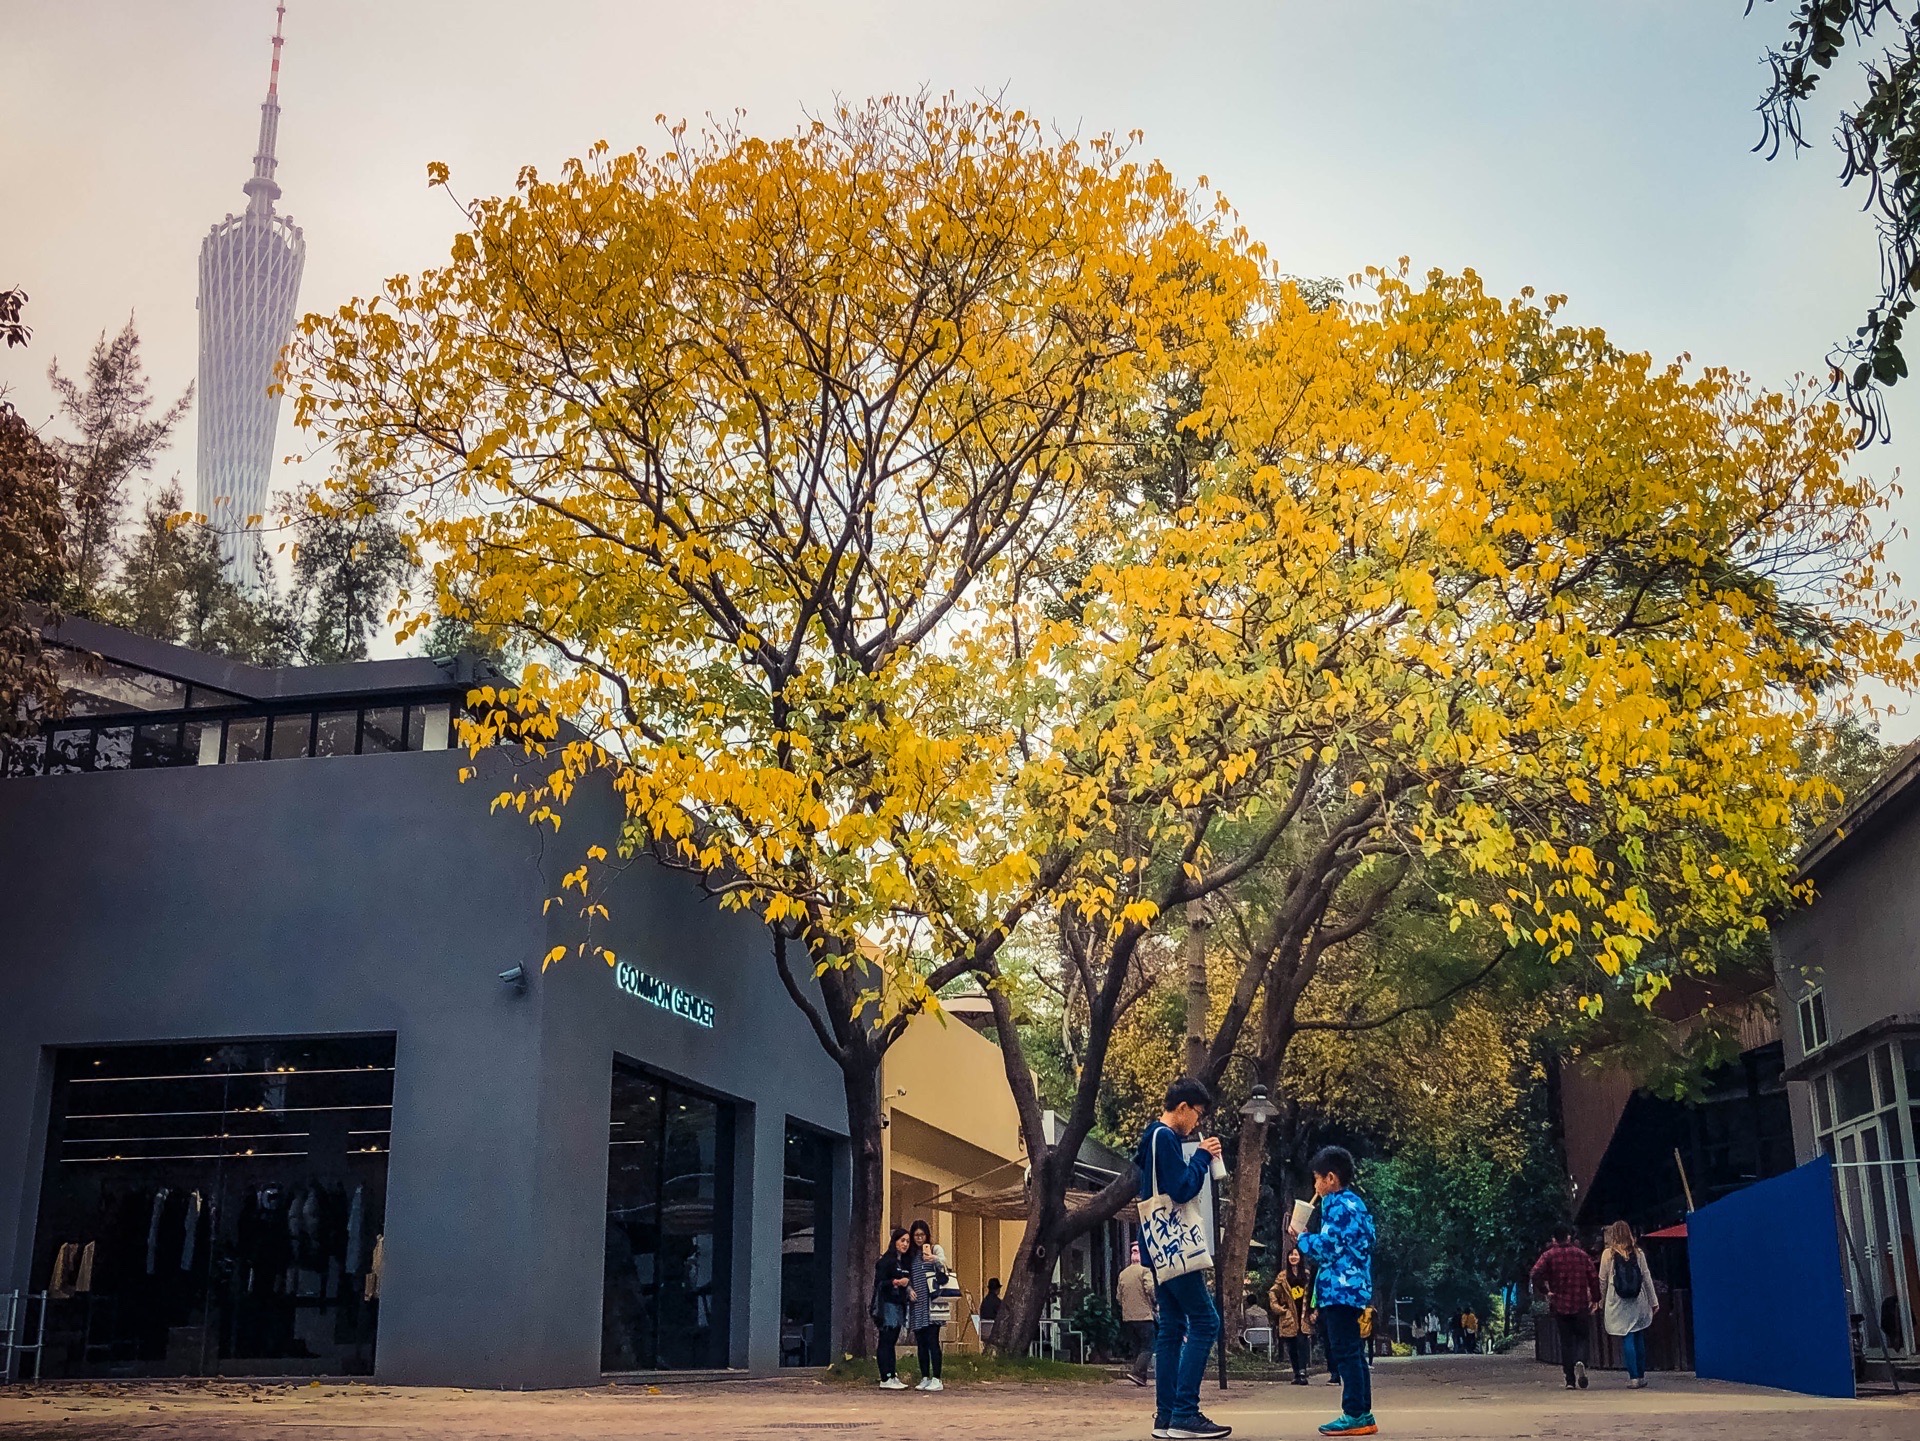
x,y
1567,1276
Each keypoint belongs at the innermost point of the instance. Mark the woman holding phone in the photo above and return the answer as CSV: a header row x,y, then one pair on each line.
x,y
928,1269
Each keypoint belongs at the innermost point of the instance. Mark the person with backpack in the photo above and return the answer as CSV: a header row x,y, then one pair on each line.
x,y
1627,1299
1342,1251
1186,1323
1566,1275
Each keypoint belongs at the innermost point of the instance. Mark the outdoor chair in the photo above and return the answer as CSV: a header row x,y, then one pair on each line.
x,y
1258,1338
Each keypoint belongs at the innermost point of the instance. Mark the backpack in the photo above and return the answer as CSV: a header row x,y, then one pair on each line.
x,y
1626,1277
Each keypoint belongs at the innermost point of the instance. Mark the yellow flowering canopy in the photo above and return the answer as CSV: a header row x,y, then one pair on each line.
x,y
759,443
810,469
1466,589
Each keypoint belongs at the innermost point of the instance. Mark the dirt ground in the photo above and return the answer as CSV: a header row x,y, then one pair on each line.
x,y
1437,1399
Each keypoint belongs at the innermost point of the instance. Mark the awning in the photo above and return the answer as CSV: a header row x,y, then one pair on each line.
x,y
1010,1204
1671,1233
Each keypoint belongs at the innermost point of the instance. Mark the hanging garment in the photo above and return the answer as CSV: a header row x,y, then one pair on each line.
x,y
83,1274
66,1261
153,1229
379,1265
192,1230
356,1229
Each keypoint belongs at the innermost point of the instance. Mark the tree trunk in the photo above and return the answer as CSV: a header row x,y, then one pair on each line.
x,y
1030,1279
1243,1209
1198,1040
861,1079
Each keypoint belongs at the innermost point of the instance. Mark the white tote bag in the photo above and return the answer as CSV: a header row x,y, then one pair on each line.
x,y
1173,1238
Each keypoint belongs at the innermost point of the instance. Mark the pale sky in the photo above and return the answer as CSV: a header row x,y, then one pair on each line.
x,y
1596,149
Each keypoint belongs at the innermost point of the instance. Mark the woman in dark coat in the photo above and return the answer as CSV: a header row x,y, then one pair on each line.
x,y
892,1296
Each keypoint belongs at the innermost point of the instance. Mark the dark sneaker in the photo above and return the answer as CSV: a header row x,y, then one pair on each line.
x,y
1198,1428
1580,1374
1351,1426
1333,1378
1160,1430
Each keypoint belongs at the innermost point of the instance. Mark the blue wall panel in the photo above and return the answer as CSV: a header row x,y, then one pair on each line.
x,y
1769,1303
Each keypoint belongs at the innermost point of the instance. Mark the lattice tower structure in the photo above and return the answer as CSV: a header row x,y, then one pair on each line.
x,y
250,266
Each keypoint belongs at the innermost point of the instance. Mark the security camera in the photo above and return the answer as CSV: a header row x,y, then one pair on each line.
x,y
514,976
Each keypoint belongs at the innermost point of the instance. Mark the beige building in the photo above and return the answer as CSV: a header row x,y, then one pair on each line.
x,y
952,1151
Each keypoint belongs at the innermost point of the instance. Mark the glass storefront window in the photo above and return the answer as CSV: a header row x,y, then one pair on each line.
x,y
23,755
247,739
95,686
71,750
200,741
1822,1107
113,748
384,729
1853,1090
427,726
669,1271
215,1209
1883,1075
806,1249
290,737
335,732
157,745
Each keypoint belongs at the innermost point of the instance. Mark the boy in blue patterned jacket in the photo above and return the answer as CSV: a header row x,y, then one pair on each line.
x,y
1342,1250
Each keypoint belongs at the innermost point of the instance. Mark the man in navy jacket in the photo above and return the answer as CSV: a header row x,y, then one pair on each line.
x,y
1186,1324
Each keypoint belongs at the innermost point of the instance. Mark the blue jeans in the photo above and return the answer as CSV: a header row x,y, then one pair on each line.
x,y
1185,1329
1347,1357
1633,1350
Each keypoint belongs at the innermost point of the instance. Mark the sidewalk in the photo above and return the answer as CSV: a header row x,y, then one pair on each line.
x,y
1464,1398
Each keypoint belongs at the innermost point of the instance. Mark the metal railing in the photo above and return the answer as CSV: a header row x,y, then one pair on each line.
x,y
15,1307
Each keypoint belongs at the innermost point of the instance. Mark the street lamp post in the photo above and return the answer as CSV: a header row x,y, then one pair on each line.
x,y
1260,1110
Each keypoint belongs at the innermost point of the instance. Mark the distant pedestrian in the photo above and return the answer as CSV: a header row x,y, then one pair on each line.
x,y
990,1305
928,1264
1566,1275
1627,1299
1470,1328
1342,1249
1290,1300
1134,1292
1186,1323
1417,1333
892,1292
1433,1333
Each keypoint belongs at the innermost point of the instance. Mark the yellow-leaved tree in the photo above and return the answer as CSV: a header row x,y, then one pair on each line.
x,y
760,447
1427,589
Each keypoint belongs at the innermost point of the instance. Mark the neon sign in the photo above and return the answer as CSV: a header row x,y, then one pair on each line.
x,y
656,992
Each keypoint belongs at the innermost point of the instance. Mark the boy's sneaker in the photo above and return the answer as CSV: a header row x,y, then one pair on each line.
x,y
932,1383
1580,1374
1161,1429
1344,1425
893,1383
1198,1428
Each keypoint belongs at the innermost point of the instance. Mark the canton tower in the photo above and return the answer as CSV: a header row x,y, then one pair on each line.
x,y
249,280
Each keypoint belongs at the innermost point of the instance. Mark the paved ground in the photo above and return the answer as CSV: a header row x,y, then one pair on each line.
x,y
1442,1399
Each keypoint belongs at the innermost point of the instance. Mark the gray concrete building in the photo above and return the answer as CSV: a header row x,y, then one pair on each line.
x,y
1848,972
268,1105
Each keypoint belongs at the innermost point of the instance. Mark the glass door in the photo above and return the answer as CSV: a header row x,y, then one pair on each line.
x,y
669,1258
